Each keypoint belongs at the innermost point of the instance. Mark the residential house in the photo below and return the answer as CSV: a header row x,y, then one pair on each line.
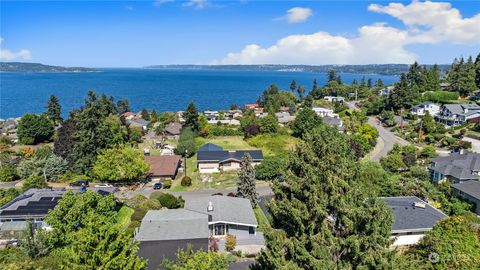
x,y
334,99
334,122
458,114
413,217
163,232
167,150
139,123
470,191
457,167
322,112
211,115
212,158
284,117
386,91
129,115
445,86
233,122
163,167
422,109
252,106
173,130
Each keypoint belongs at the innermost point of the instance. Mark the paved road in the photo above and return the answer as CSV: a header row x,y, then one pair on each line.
x,y
386,138
148,189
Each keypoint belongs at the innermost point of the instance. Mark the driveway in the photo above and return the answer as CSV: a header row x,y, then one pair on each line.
x,y
475,143
7,185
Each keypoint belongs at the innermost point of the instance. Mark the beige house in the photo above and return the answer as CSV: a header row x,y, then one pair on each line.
x,y
212,158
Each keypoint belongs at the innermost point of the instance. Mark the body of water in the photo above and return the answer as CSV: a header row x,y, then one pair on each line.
x,y
164,90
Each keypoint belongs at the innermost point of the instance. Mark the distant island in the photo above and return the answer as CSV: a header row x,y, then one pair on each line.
x,y
383,69
37,67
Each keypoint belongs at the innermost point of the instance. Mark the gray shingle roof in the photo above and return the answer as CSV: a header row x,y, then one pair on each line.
x,y
412,218
212,152
471,187
458,165
139,122
460,108
173,224
225,208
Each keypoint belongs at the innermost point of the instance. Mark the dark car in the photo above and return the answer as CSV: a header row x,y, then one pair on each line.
x,y
157,185
80,183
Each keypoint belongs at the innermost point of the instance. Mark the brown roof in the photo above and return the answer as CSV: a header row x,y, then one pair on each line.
x,y
166,166
174,128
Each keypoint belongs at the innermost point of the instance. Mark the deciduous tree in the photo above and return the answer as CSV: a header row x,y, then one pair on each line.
x,y
120,164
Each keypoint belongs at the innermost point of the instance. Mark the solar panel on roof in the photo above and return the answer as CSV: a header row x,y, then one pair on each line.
x,y
46,199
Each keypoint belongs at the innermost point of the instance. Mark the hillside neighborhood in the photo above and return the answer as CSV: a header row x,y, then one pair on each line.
x,y
362,168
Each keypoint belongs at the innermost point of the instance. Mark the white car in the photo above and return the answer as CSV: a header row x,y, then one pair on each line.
x,y
104,185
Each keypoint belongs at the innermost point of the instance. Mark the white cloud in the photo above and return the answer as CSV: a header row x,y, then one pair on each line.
x,y
298,15
199,4
158,3
7,55
374,44
433,22
425,22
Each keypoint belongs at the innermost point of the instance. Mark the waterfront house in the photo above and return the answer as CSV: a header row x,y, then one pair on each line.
x,y
334,122
458,114
386,91
163,167
470,191
173,130
422,109
232,122
413,217
456,168
322,112
163,232
212,158
139,123
334,99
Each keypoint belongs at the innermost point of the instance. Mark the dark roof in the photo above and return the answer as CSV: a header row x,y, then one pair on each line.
x,y
163,165
174,128
221,156
471,188
460,166
411,218
210,147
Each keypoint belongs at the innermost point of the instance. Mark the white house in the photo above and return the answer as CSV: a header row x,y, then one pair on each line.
x,y
457,114
322,112
421,109
334,99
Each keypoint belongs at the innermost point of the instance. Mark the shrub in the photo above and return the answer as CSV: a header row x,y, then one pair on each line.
x,y
230,242
8,173
141,202
155,195
269,169
170,201
186,181
34,181
167,184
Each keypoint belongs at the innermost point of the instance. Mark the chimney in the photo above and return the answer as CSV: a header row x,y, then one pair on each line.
x,y
210,207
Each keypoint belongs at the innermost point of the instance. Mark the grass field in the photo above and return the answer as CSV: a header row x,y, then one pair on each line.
x,y
227,142
124,215
273,145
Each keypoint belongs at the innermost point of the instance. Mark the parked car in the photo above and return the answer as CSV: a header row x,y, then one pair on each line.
x,y
157,185
79,183
104,185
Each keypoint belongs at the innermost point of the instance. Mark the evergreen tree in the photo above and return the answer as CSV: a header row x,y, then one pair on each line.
x,y
466,81
414,75
315,85
431,78
191,117
403,94
269,124
305,121
145,115
246,180
320,217
379,84
123,106
33,129
293,86
453,76
186,143
477,70
301,92
54,110
339,80
331,76
154,116
369,83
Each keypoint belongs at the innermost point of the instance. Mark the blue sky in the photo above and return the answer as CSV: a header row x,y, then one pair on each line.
x,y
133,34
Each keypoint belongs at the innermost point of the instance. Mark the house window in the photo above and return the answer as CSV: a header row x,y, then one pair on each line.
x,y
251,230
220,229
227,164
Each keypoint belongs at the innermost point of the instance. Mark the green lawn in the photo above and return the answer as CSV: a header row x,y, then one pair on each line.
x,y
227,142
262,219
273,145
124,215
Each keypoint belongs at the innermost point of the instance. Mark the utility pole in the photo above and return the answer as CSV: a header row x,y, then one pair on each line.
x,y
186,153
